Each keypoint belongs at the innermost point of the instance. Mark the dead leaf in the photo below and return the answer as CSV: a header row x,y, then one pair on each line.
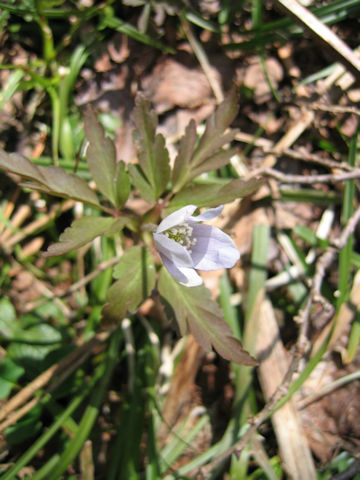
x,y
255,78
174,84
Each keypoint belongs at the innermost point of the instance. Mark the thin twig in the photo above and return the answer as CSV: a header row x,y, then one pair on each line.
x,y
303,155
323,34
311,179
334,108
75,286
300,154
348,230
328,389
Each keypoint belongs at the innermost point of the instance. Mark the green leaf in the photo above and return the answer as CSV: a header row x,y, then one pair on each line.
x,y
9,326
10,372
197,312
183,159
306,234
32,346
82,231
218,160
101,156
11,86
348,208
207,154
27,427
153,155
41,335
135,274
51,180
122,184
141,183
7,318
130,31
213,194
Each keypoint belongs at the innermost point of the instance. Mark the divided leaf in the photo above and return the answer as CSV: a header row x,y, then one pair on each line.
x,y
184,156
214,194
136,279
140,182
83,231
218,160
10,372
122,184
153,155
101,156
207,155
51,180
196,312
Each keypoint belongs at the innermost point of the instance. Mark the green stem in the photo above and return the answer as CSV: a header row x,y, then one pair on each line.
x,y
48,41
41,442
92,411
55,102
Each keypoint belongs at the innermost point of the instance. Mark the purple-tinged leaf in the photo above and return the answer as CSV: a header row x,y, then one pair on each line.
x,y
101,156
51,180
194,159
196,312
153,155
83,231
214,194
183,159
122,184
136,279
140,182
218,160
215,135
21,166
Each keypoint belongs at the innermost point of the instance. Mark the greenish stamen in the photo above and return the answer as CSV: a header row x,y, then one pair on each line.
x,y
182,235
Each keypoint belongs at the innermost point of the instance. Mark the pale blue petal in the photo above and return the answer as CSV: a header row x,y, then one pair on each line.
x,y
214,249
172,250
176,218
208,215
186,276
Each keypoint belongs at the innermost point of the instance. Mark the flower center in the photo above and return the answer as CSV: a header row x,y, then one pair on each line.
x,y
182,234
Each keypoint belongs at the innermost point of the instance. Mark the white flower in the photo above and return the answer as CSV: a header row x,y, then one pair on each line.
x,y
185,245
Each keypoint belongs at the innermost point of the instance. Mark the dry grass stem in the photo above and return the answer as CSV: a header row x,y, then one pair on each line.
x,y
59,372
323,34
294,450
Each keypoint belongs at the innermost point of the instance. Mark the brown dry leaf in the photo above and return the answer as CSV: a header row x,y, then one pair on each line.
x,y
354,95
343,321
176,121
274,362
115,50
118,48
238,220
331,423
102,62
211,281
254,77
290,214
242,223
174,84
24,289
286,53
349,125
178,400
